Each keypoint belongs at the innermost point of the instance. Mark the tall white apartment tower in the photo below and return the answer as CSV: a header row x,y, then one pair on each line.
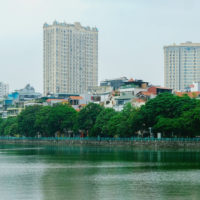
x,y
70,58
4,89
181,65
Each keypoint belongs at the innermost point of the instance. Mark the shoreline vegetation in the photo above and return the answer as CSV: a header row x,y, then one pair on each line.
x,y
168,114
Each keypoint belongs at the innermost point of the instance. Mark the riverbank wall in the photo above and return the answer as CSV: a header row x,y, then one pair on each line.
x,y
152,143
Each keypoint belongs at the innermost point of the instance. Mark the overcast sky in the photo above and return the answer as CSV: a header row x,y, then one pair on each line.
x,y
132,34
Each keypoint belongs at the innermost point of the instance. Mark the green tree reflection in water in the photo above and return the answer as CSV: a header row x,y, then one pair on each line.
x,y
69,172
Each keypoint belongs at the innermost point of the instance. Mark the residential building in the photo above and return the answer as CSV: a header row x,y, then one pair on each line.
x,y
114,83
133,86
74,100
137,103
100,94
4,90
70,58
27,93
100,89
194,87
156,90
181,65
16,101
145,95
51,102
124,98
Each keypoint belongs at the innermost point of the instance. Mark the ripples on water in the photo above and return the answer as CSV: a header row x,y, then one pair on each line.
x,y
97,173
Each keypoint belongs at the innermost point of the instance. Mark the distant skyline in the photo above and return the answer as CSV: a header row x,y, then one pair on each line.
x,y
132,34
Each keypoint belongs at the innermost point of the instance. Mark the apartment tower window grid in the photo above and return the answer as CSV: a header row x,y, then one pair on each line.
x,y
70,57
4,89
181,65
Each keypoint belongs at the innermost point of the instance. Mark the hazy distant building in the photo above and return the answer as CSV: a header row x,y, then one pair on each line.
x,y
181,65
4,89
27,93
114,83
70,57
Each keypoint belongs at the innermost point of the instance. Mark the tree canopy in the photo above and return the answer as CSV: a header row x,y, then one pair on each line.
x,y
88,115
171,115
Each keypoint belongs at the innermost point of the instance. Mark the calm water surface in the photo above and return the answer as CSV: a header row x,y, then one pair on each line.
x,y
97,173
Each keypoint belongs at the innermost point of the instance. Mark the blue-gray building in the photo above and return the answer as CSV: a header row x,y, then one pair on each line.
x,y
114,83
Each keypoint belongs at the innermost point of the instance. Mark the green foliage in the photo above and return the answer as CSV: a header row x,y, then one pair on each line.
x,y
190,121
42,121
102,122
114,125
60,118
168,126
171,115
9,126
164,105
26,121
121,123
88,115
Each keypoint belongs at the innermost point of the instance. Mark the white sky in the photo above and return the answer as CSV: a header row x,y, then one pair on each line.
x,y
132,34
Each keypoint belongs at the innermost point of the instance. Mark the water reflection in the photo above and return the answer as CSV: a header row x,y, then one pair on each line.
x,y
73,172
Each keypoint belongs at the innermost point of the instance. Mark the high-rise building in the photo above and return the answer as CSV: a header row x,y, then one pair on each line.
x,y
70,58
4,89
181,65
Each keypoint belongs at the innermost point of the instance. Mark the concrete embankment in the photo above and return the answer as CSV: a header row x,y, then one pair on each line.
x,y
142,143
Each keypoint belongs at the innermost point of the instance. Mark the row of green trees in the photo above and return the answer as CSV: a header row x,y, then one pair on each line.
x,y
169,114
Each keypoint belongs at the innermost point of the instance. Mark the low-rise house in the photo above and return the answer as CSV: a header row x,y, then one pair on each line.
x,y
134,86
86,99
195,87
122,100
74,101
145,95
51,102
156,90
100,94
110,102
11,112
138,102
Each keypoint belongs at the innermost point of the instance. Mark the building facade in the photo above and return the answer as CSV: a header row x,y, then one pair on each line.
x,y
114,83
195,87
70,58
4,90
181,65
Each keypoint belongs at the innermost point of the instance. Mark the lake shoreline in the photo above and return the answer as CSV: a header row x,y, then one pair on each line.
x,y
112,143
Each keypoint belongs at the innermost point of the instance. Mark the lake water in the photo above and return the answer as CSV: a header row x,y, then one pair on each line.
x,y
97,173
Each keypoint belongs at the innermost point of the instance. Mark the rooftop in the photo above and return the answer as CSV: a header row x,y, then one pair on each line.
x,y
159,87
125,96
115,79
76,25
190,94
146,93
61,100
75,97
186,44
